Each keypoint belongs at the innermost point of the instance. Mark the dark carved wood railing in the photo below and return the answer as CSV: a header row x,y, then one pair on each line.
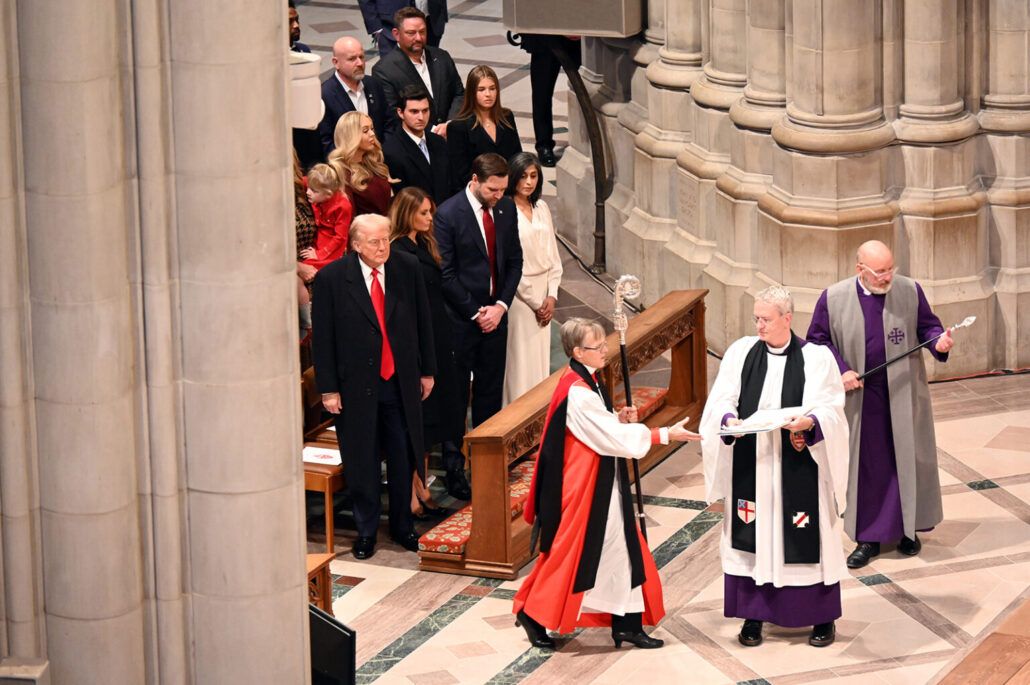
x,y
498,544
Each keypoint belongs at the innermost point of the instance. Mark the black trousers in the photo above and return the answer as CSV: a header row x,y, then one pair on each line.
x,y
543,74
481,360
391,440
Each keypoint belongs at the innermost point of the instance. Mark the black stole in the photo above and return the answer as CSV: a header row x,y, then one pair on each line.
x,y
799,472
549,474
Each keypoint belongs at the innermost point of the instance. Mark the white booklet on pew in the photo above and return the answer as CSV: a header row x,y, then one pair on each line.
x,y
763,421
322,455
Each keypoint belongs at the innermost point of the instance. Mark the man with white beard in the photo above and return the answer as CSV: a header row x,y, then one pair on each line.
x,y
893,486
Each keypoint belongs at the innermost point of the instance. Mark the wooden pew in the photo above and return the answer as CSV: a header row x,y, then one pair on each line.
x,y
498,544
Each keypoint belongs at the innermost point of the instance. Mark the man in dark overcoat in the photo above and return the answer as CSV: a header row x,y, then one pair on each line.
x,y
375,383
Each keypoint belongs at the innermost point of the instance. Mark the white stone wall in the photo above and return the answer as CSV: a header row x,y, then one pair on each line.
x,y
769,139
150,490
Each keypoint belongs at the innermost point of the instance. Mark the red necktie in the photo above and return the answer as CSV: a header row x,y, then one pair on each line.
x,y
379,304
491,248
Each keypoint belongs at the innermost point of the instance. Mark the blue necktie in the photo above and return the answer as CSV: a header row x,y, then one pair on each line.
x,y
423,148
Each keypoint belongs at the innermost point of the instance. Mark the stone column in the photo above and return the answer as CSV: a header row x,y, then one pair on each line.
x,y
933,110
74,129
655,31
944,238
836,81
154,281
22,628
234,248
1006,105
1005,167
643,204
723,31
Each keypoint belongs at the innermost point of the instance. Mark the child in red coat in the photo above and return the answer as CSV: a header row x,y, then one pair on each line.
x,y
333,212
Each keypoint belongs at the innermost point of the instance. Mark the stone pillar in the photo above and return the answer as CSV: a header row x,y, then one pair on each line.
x,y
672,76
148,358
74,130
22,627
644,205
1005,167
943,241
655,31
836,78
707,156
742,255
933,110
239,366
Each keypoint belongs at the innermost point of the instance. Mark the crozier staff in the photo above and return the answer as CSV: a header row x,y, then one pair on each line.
x,y
781,555
594,568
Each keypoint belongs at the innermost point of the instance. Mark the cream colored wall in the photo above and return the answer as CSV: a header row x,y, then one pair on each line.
x,y
764,141
152,506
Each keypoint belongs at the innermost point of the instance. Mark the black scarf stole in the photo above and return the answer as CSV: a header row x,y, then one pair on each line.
x,y
799,472
549,469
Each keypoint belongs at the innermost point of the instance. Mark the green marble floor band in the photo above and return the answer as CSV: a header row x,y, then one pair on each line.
x,y
985,484
533,658
675,502
874,579
684,537
527,662
415,637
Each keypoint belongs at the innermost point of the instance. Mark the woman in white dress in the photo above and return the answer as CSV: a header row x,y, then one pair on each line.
x,y
529,318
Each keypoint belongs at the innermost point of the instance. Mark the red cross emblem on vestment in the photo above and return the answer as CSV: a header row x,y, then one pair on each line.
x,y
801,519
745,510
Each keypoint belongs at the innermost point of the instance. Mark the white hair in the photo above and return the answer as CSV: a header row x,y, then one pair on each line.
x,y
777,295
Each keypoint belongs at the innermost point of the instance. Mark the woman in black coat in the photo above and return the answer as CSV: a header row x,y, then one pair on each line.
x,y
481,126
443,418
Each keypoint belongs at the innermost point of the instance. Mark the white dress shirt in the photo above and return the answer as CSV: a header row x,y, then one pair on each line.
x,y
366,273
477,210
357,97
423,71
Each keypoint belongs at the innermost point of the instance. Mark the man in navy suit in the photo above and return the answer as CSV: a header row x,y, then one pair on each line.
x,y
378,16
417,157
481,265
415,63
348,89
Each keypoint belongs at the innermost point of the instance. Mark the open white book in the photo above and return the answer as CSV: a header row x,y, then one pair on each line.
x,y
322,455
764,420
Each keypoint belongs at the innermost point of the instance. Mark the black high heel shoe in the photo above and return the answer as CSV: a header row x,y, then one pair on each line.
x,y
536,633
637,639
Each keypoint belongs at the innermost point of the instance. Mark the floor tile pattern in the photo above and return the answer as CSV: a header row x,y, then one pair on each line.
x,y
906,619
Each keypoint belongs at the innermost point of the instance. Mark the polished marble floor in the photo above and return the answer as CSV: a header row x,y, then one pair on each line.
x,y
906,620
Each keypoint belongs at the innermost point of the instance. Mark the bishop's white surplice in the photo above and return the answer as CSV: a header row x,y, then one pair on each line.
x,y
824,399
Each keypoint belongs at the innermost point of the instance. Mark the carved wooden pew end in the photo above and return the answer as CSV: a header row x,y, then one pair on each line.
x,y
495,542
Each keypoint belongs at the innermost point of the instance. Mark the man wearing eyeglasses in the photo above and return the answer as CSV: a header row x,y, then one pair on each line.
x,y
893,486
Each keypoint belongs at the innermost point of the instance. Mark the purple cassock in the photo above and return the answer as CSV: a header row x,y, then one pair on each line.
x,y
879,511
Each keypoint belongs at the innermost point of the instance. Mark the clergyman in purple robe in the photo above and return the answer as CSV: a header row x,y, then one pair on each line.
x,y
893,485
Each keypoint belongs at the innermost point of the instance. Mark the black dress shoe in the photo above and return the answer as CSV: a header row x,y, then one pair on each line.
x,y
863,554
364,547
546,155
432,513
750,633
458,486
536,633
636,638
408,541
910,547
823,635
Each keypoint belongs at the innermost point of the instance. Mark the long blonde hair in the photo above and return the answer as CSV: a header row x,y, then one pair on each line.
x,y
402,215
347,136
